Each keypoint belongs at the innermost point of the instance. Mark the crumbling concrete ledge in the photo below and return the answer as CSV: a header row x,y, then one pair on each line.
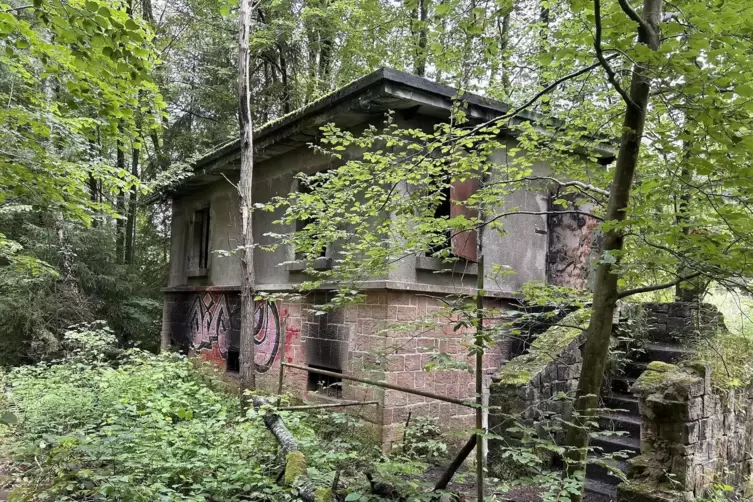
x,y
693,436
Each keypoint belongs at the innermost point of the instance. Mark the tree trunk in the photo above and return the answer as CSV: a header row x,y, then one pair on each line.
x,y
120,207
287,97
605,285
146,11
247,370
130,228
294,459
423,35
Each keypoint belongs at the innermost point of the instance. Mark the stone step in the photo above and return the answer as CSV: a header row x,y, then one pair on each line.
x,y
662,352
611,444
622,403
602,489
622,384
597,472
634,369
615,421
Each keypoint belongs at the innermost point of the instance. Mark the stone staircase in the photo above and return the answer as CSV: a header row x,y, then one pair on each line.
x,y
621,414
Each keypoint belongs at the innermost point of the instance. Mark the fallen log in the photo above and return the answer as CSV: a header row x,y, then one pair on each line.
x,y
295,460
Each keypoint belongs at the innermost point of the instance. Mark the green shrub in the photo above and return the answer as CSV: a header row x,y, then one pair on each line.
x,y
139,427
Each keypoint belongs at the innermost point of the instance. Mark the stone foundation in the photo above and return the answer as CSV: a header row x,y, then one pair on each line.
x,y
693,436
536,386
356,340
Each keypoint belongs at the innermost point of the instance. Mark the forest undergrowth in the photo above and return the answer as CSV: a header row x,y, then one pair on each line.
x,y
103,423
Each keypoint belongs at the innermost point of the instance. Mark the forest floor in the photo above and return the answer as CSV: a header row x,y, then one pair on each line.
x,y
108,424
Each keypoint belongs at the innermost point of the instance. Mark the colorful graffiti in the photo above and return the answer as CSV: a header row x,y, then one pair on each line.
x,y
210,328
209,323
266,335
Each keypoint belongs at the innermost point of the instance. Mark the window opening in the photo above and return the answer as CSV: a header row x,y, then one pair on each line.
x,y
325,385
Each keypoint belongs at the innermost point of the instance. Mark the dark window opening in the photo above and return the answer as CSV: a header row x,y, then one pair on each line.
x,y
233,364
200,249
443,211
300,225
325,385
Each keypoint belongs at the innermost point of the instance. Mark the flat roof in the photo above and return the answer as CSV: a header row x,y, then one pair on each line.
x,y
363,99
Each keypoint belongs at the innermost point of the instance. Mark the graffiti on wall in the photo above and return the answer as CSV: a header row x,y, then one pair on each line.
x,y
210,325
266,335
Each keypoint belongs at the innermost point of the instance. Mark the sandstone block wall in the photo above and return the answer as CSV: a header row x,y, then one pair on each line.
x,y
539,385
692,436
356,340
680,322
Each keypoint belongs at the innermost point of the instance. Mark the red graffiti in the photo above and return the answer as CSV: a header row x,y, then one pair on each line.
x,y
291,332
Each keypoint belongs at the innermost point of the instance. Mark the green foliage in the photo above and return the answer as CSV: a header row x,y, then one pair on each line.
x,y
35,310
70,73
423,440
730,357
141,427
124,424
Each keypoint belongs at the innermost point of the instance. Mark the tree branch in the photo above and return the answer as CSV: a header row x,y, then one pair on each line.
x,y
627,9
536,97
579,184
17,9
656,287
611,76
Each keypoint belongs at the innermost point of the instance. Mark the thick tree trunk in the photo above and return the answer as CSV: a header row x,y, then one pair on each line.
x,y
247,370
605,285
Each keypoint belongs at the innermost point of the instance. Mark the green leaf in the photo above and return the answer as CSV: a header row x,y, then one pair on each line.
x,y
8,418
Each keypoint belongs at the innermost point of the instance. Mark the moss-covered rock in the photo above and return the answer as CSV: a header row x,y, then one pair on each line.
x,y
661,377
323,494
295,466
635,491
545,349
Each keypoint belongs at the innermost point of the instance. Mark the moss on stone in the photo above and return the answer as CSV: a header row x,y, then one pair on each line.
x,y
728,355
545,349
323,494
660,375
295,465
636,491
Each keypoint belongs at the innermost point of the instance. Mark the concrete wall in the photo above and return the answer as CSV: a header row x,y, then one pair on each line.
x,y
523,247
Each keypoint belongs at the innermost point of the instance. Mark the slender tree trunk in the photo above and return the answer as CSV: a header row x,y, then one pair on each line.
x,y
247,370
120,207
423,36
479,374
130,228
504,43
147,11
605,285
287,96
325,52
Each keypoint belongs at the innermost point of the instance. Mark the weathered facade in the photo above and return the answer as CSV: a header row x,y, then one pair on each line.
x,y
201,313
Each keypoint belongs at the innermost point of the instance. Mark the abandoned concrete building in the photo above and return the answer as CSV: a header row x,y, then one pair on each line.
x,y
683,435
201,309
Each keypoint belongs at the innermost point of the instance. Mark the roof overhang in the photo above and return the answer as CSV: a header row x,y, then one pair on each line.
x,y
360,101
